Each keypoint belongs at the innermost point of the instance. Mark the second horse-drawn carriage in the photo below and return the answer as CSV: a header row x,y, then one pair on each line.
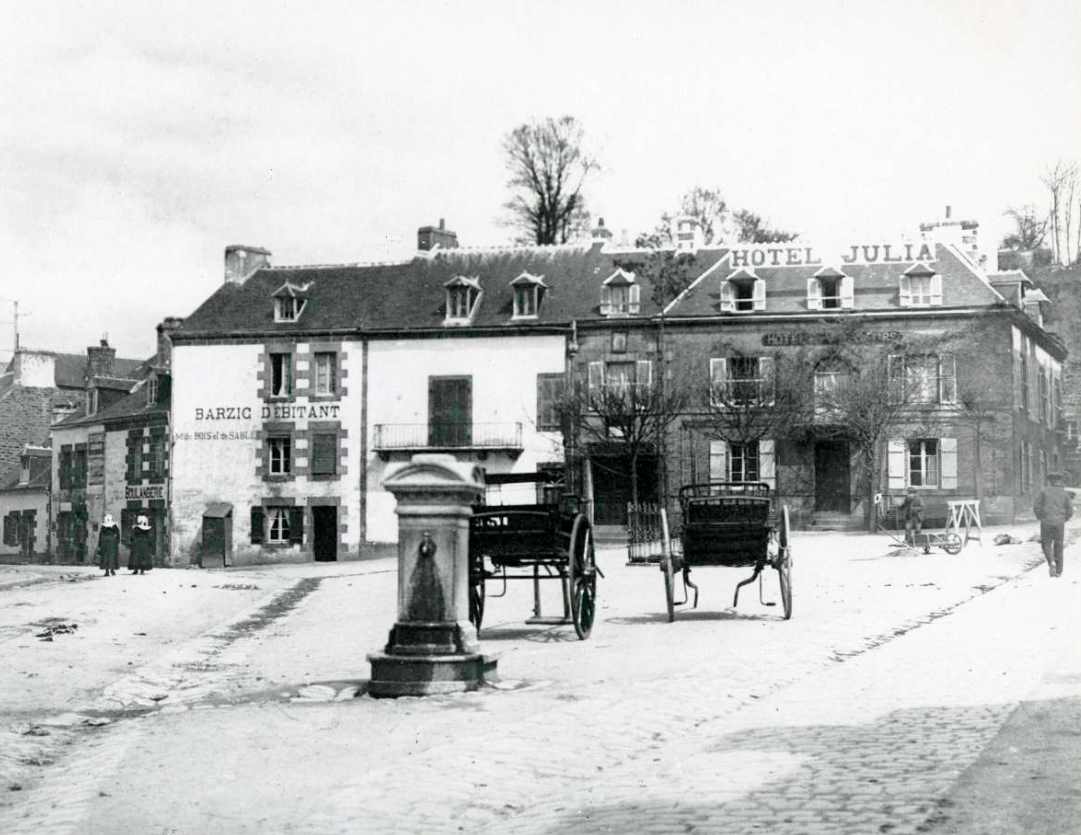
x,y
728,524
528,528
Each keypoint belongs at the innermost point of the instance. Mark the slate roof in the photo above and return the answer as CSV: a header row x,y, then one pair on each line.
x,y
129,406
875,285
39,475
70,370
411,295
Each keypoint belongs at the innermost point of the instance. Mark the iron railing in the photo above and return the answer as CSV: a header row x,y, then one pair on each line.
x,y
447,435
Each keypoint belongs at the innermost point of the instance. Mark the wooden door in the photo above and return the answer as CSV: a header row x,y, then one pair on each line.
x,y
832,477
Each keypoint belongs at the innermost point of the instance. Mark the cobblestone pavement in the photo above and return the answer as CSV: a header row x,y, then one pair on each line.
x,y
855,717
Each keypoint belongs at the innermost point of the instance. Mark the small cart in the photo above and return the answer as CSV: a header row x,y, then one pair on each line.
x,y
729,524
540,536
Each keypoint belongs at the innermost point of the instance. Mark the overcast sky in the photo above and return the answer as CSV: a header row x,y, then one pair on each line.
x,y
138,139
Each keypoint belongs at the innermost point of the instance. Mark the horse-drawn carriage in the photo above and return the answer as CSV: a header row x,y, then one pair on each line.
x,y
543,535
729,524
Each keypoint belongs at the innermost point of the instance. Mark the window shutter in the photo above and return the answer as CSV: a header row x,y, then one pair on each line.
x,y
7,529
848,292
728,297
634,298
296,525
906,292
257,525
767,464
718,461
759,299
606,301
948,450
896,453
643,373
596,377
767,392
324,453
549,402
947,379
936,289
814,294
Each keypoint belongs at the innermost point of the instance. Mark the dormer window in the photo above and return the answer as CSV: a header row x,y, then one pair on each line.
x,y
742,292
92,402
620,294
920,286
463,296
829,289
151,391
289,301
528,291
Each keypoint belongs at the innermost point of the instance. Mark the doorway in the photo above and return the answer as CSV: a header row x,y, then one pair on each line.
x,y
325,533
832,476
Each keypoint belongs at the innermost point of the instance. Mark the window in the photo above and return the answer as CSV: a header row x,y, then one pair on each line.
x,y
743,292
829,289
287,308
1071,433
619,377
743,462
752,462
157,456
923,378
619,342
324,460
278,527
1024,381
741,381
620,294
280,450
281,375
619,380
549,399
828,384
1024,468
525,301
923,464
463,295
92,400
151,391
450,411
920,286
326,373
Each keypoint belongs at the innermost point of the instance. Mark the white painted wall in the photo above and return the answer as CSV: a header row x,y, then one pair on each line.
x,y
504,372
214,460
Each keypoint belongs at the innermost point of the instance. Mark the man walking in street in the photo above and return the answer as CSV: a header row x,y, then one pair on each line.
x,y
1053,507
911,514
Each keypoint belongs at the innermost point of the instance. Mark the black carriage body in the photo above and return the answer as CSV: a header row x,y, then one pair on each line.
x,y
726,523
549,539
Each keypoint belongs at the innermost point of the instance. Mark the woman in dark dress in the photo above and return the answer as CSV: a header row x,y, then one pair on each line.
x,y
142,546
109,546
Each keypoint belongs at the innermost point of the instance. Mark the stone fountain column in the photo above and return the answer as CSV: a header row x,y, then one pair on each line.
x,y
432,648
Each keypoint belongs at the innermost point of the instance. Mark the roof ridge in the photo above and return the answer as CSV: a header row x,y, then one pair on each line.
x,y
280,267
569,247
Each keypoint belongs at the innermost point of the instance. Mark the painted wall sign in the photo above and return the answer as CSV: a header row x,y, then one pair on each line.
x,y
781,255
830,338
236,435
275,411
135,492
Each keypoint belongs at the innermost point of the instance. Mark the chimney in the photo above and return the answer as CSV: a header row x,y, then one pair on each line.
x,y
99,360
34,369
241,261
600,233
436,237
168,326
948,211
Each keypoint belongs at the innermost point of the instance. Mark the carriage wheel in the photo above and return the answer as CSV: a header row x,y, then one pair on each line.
x,y
952,544
784,563
476,602
583,577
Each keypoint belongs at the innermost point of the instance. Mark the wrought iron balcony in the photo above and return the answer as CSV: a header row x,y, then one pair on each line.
x,y
448,437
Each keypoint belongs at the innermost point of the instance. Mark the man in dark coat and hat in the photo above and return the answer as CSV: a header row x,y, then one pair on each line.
x,y
142,546
1053,507
109,545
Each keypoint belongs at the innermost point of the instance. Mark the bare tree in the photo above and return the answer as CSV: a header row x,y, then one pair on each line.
x,y
1061,181
629,417
548,167
716,220
1030,230
752,229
